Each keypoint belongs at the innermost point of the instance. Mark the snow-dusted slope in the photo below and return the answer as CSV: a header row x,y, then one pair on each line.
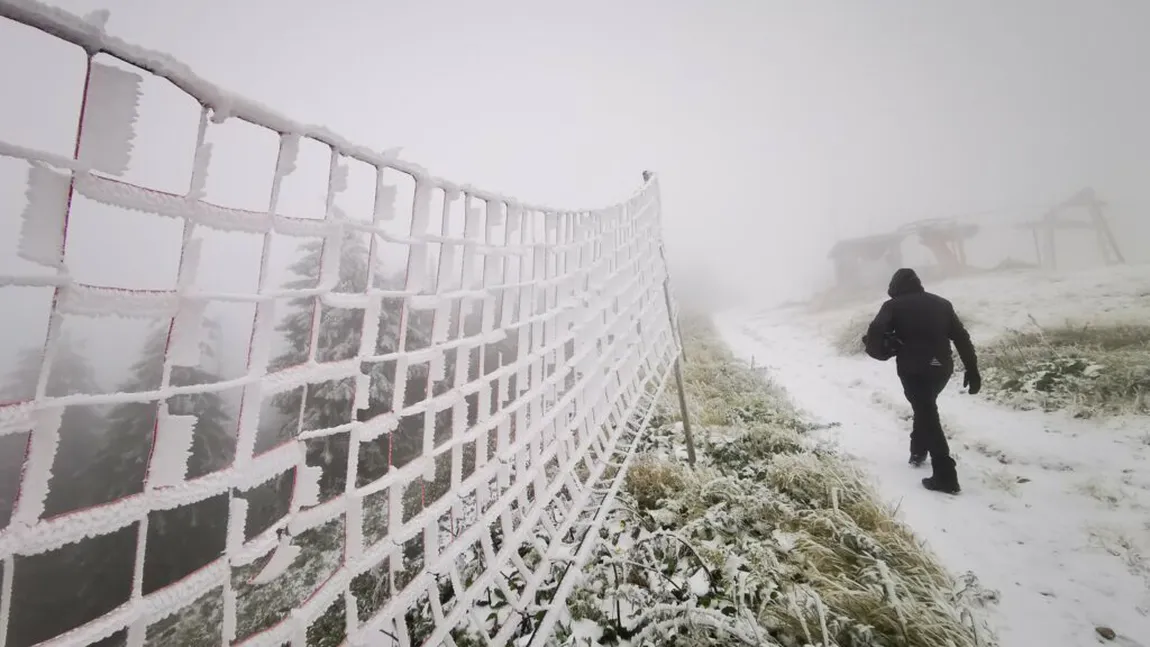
x,y
994,303
1055,513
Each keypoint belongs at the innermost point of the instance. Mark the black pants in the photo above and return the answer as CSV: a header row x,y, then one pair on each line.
x,y
926,435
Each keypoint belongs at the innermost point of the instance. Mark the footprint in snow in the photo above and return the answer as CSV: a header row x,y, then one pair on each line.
x,y
1115,639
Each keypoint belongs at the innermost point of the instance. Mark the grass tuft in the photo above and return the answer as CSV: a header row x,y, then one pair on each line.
x,y
848,339
1089,370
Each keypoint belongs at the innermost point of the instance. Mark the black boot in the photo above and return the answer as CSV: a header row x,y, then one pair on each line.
x,y
917,451
944,477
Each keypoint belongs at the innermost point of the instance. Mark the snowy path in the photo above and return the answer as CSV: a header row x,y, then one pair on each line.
x,y
1054,514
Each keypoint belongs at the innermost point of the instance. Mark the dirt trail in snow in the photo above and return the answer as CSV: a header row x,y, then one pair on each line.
x,y
1054,514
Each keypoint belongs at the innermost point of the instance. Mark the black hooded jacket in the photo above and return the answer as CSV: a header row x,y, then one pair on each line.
x,y
925,324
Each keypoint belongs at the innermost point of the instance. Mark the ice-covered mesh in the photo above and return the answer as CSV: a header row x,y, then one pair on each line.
x,y
433,400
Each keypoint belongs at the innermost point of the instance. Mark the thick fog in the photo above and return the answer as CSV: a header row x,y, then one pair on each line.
x,y
781,131
777,128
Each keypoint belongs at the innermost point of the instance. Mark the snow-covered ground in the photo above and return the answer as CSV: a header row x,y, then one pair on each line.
x,y
992,304
1055,511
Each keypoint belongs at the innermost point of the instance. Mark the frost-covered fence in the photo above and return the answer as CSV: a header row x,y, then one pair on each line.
x,y
421,450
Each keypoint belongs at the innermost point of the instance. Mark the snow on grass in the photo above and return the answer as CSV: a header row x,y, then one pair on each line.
x,y
1055,509
772,539
1088,370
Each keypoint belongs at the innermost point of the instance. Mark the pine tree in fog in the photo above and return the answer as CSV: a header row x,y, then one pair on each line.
x,y
127,441
70,372
111,464
330,404
190,536
80,426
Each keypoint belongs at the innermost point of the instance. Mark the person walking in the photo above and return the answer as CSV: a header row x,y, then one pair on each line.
x,y
917,327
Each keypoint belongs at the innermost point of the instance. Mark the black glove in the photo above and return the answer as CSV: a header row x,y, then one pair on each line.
x,y
972,381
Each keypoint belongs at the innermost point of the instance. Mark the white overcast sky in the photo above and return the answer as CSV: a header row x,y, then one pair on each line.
x,y
775,125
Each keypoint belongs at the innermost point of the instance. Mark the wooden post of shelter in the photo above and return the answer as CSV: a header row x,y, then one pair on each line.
x,y
1044,230
850,256
946,239
1038,258
1106,238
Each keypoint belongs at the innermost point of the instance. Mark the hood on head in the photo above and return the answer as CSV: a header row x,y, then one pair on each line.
x,y
904,281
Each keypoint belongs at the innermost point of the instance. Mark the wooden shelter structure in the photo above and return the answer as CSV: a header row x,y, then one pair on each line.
x,y
853,255
1060,218
945,238
855,258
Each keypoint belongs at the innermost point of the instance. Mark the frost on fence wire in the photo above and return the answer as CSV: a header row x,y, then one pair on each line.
x,y
427,419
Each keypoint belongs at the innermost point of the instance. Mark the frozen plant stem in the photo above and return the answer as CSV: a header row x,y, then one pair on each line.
x,y
892,598
618,608
822,619
702,562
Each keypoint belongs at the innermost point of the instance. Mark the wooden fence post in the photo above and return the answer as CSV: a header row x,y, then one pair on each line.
x,y
675,333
